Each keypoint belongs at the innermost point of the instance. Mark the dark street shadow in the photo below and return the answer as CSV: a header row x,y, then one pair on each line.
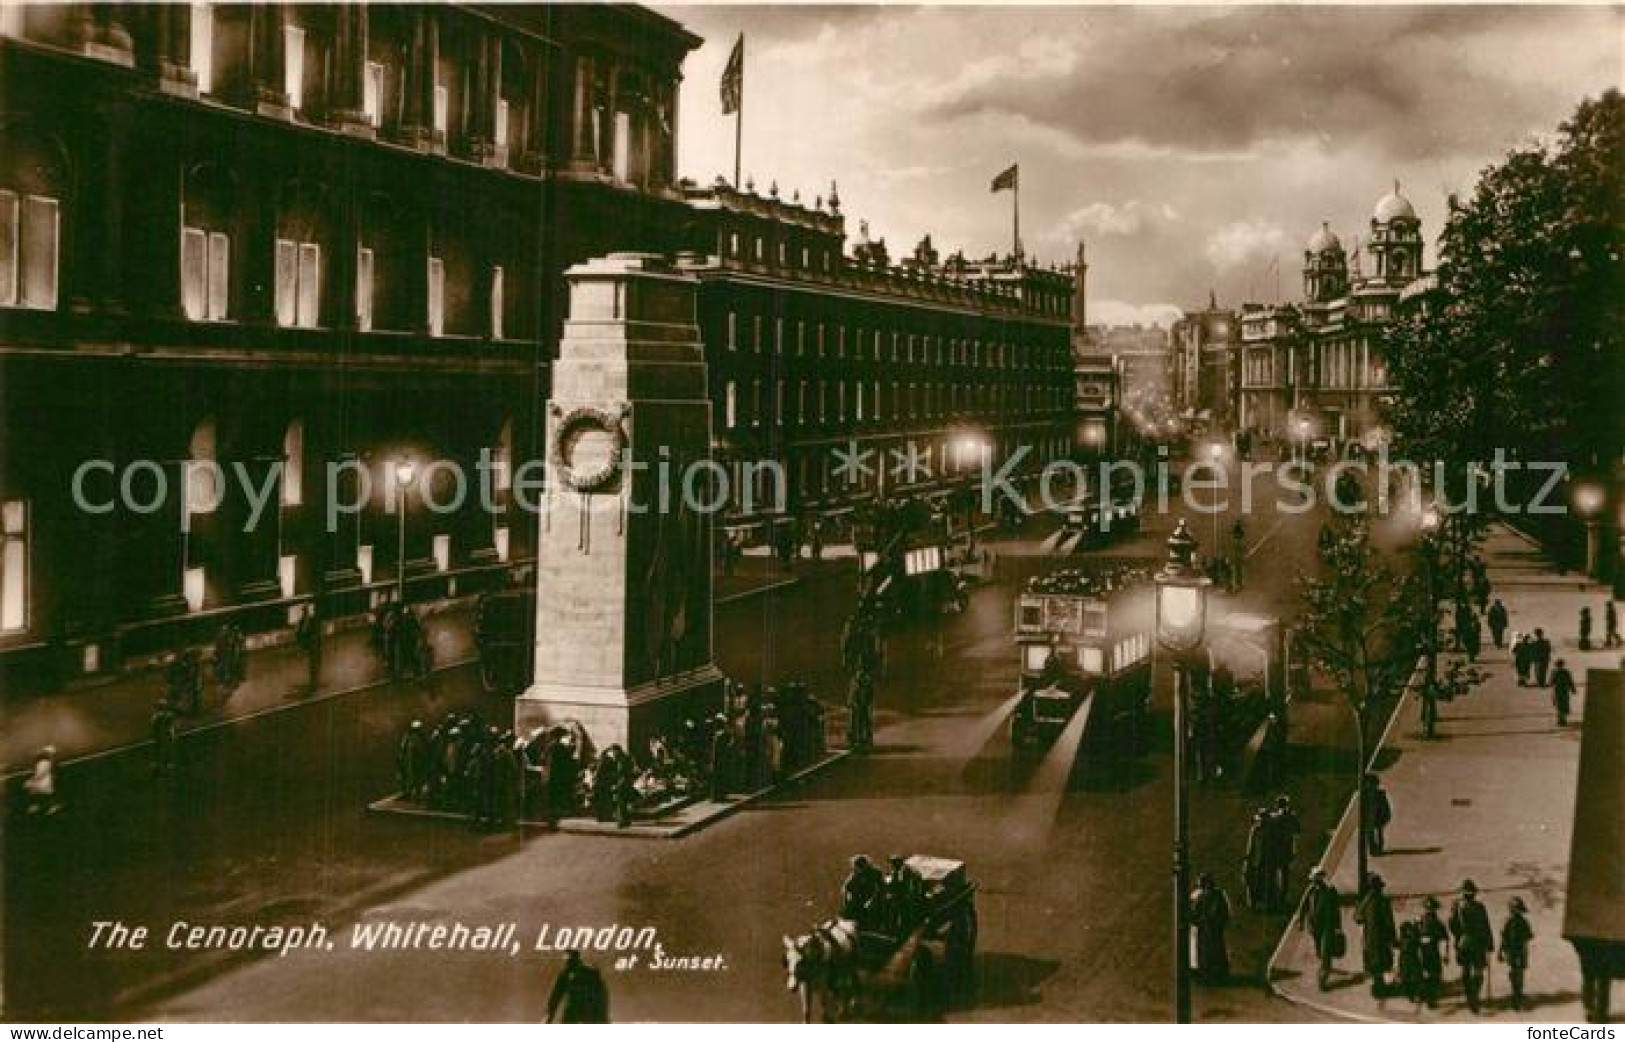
x,y
1386,758
1004,981
1409,851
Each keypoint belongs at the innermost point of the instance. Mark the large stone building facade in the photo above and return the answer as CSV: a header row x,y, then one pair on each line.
x,y
307,243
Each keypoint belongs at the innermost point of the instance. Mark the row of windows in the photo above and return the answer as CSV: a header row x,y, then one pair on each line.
x,y
30,241
825,401
814,339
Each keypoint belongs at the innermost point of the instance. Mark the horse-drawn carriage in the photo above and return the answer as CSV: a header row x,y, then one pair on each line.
x,y
919,955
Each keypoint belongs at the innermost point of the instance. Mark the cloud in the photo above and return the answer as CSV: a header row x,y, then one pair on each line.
x,y
1122,313
1105,219
1240,242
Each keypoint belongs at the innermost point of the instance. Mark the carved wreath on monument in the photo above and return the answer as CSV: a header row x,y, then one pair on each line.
x,y
587,447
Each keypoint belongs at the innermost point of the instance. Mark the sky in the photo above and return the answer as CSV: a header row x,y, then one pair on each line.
x,y
1194,148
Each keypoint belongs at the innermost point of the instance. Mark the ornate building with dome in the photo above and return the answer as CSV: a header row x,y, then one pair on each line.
x,y
1314,370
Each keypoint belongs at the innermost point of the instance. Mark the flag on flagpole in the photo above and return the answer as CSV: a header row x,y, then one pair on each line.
x,y
1010,179
733,78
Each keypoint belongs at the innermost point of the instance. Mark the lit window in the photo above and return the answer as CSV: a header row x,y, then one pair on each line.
x,y
437,296
442,109
205,274
293,463
499,131
363,288
293,56
13,566
730,405
733,331
29,230
372,93
756,403
496,302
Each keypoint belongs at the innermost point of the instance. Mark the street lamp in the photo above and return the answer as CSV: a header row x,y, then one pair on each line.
x,y
405,471
1430,566
1181,619
1588,501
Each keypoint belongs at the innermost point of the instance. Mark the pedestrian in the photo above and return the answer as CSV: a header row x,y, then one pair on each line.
x,y
1379,812
1563,691
1284,829
1481,582
1470,930
308,636
860,711
772,746
722,760
562,772
410,759
1610,626
1472,636
1378,935
1433,936
1585,628
579,995
626,790
1320,913
1523,657
1515,937
1542,656
1410,961
1209,915
161,729
1497,618
507,775
1255,872
40,785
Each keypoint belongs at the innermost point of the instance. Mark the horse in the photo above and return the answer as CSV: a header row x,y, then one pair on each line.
x,y
823,965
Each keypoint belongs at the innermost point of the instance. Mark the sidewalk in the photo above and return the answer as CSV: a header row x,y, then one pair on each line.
x,y
1491,799
97,719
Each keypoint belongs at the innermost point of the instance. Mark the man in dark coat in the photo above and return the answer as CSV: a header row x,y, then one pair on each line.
x,y
1472,636
308,635
1432,936
1379,812
1283,849
1210,915
1470,929
1321,914
722,760
1585,628
579,995
561,779
1523,657
506,774
410,758
1497,618
1378,934
1515,937
860,709
1542,659
1563,691
861,892
161,728
1610,626
1255,871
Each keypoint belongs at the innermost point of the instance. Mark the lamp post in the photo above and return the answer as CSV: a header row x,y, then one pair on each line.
x,y
1215,455
1588,501
405,470
1430,566
1181,619
1303,440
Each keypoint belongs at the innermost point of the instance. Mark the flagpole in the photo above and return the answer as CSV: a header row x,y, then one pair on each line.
x,y
1015,196
739,131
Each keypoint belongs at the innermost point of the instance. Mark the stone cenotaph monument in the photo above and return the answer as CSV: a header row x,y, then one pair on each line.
x,y
623,572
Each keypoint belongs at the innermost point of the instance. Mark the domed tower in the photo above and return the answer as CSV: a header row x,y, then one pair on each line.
x,y
1325,267
1396,239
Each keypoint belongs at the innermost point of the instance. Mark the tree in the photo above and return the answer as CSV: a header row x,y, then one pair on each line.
x,y
1523,347
1357,623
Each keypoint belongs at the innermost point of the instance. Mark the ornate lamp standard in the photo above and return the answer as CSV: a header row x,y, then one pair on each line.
x,y
1588,501
405,471
1181,619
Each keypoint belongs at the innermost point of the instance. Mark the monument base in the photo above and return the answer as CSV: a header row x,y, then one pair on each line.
x,y
626,718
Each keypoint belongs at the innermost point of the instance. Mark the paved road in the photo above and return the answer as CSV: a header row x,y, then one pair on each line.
x,y
265,825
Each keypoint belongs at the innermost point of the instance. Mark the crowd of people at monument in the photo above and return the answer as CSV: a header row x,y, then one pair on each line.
x,y
495,776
